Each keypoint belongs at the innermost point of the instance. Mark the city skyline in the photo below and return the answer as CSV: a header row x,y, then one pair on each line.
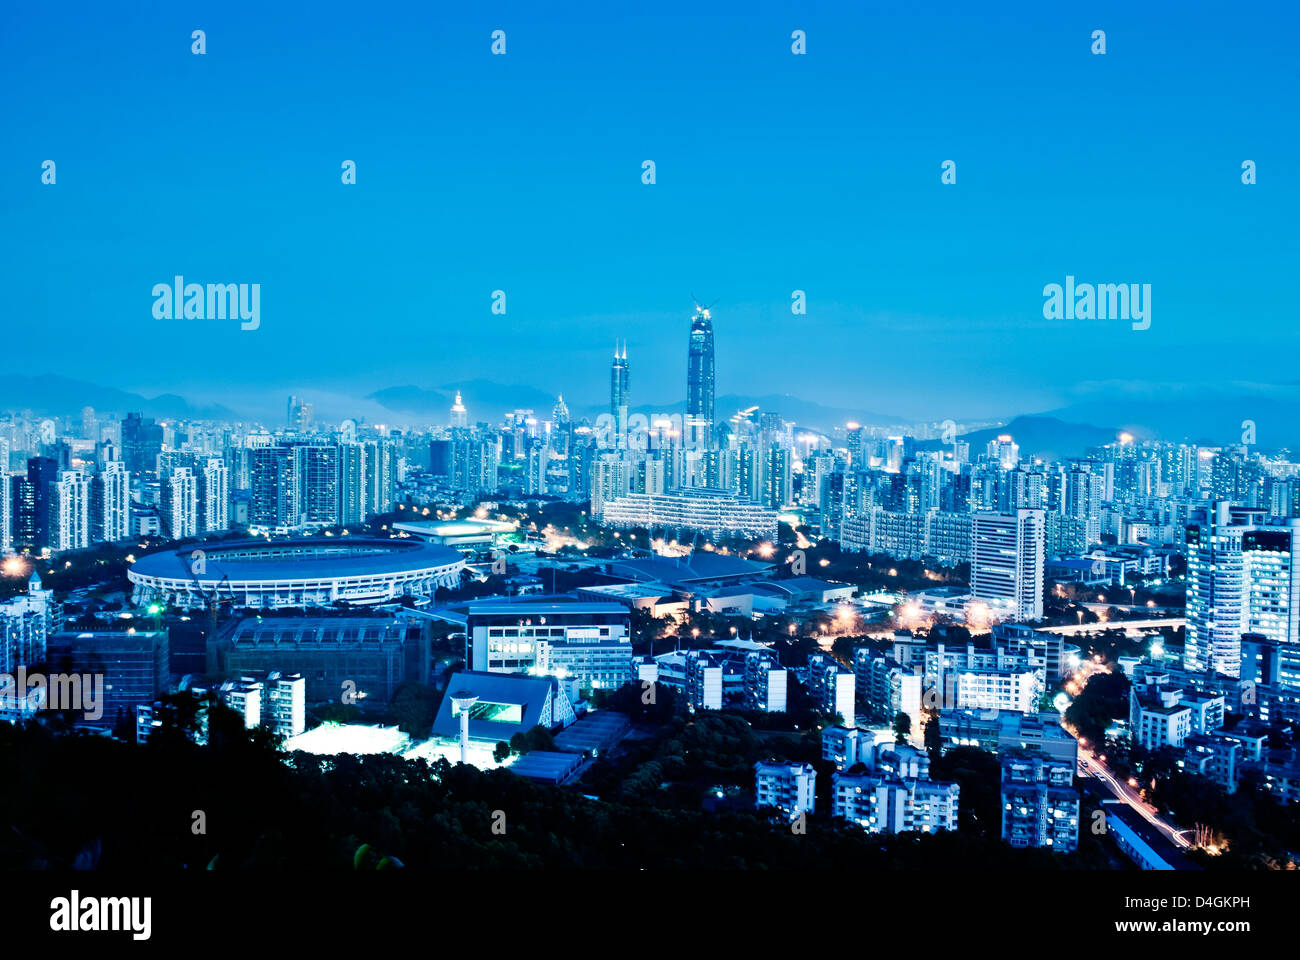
x,y
825,437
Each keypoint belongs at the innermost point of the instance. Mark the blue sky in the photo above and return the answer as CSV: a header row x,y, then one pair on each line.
x,y
774,173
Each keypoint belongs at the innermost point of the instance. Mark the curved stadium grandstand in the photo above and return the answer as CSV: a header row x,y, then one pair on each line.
x,y
270,574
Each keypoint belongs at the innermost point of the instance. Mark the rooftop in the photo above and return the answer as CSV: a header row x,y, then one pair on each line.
x,y
295,559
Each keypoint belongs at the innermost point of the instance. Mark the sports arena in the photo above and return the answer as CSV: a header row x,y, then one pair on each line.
x,y
268,574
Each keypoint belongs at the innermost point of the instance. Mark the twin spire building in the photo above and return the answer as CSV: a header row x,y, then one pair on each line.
x,y
699,420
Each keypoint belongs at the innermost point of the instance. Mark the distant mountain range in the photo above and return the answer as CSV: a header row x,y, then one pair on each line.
x,y
53,395
484,399
1214,415
1044,437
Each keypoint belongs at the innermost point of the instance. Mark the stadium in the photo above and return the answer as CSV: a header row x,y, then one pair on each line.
x,y
270,574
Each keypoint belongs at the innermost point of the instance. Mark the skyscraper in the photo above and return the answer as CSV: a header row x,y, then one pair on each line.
x,y
699,378
269,482
1007,559
380,476
6,511
352,481
142,441
618,381
459,415
301,414
42,475
22,512
619,397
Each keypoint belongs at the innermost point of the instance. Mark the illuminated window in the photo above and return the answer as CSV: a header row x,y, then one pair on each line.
x,y
493,712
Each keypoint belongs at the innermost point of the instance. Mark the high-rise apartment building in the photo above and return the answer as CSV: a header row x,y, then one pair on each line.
x,y
6,512
1241,578
1007,560
111,502
214,495
70,506
179,502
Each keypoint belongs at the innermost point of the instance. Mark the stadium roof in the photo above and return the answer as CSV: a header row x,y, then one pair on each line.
x,y
295,559
324,630
694,567
794,585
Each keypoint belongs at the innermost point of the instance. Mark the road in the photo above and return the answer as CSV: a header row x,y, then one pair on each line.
x,y
1089,765
1132,627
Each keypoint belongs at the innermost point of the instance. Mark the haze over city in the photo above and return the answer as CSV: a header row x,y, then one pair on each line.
x,y
522,173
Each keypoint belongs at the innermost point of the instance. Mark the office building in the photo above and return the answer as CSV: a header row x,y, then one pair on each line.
x,y
134,665
700,381
589,643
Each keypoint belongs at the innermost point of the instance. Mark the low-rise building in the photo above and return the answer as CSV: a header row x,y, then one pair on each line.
x,y
1040,804
731,676
1213,756
846,746
1003,731
831,685
1161,715
789,787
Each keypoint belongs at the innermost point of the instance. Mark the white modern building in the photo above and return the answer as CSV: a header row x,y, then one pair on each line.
x,y
1017,690
586,642
216,495
790,787
71,506
714,513
833,686
1007,559
846,746
26,622
1241,578
180,503
885,804
112,490
1163,715
726,676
